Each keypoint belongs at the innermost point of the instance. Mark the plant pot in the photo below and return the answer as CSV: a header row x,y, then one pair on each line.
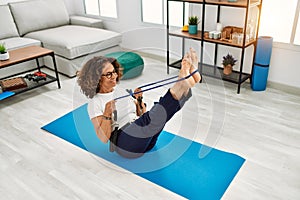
x,y
193,29
4,56
227,69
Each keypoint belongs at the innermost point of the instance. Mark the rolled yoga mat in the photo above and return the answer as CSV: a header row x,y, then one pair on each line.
x,y
261,63
173,163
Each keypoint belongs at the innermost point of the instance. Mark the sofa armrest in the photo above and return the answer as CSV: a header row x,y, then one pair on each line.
x,y
86,21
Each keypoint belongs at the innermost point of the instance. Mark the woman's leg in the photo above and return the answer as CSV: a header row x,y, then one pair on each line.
x,y
154,138
135,139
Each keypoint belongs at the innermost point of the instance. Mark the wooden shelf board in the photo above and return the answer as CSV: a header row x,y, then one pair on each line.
x,y
239,3
25,54
184,34
217,72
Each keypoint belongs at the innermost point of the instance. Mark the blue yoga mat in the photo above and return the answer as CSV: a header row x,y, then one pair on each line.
x,y
6,94
174,162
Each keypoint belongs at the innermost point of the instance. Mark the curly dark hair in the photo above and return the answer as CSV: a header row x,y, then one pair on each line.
x,y
90,74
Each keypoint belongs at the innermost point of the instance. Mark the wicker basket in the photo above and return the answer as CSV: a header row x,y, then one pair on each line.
x,y
13,84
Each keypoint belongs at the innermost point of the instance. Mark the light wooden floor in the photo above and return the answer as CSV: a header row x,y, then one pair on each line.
x,y
262,127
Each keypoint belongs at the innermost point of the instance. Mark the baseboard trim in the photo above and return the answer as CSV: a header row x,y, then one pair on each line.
x,y
283,87
150,55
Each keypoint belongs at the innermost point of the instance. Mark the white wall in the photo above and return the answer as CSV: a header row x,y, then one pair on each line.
x,y
285,66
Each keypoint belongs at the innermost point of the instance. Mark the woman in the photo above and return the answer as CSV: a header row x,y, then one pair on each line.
x,y
139,129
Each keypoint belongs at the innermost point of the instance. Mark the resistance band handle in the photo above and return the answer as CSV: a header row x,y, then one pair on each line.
x,y
130,92
115,115
140,99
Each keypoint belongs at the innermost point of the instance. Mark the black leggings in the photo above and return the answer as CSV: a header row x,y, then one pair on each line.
x,y
141,135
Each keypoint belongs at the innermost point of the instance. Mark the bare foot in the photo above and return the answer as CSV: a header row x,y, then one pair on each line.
x,y
186,68
182,87
194,60
194,57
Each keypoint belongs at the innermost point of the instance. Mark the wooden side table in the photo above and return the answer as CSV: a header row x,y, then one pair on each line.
x,y
25,54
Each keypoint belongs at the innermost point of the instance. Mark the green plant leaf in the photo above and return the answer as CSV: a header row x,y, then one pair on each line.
x,y
229,60
193,20
2,48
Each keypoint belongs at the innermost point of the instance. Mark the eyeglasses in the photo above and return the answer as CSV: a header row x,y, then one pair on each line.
x,y
110,74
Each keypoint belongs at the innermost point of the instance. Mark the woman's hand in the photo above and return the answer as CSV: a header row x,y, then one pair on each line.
x,y
140,105
139,95
109,108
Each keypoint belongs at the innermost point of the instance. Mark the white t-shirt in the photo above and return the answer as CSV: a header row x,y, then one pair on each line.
x,y
126,108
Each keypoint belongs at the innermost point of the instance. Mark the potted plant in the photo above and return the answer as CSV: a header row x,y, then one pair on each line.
x,y
193,24
3,52
228,62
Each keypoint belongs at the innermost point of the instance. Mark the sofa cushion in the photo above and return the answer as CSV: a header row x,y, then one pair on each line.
x,y
7,24
73,41
86,21
19,42
71,67
46,14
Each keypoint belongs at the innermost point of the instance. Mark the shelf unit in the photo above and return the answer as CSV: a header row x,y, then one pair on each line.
x,y
30,84
238,77
25,54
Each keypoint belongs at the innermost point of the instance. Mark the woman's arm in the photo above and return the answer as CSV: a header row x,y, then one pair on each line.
x,y
103,123
102,126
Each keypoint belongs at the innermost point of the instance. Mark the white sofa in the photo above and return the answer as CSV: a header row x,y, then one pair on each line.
x,y
74,39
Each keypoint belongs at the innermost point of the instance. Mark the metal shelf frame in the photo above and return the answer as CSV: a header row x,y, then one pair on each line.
x,y
237,77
